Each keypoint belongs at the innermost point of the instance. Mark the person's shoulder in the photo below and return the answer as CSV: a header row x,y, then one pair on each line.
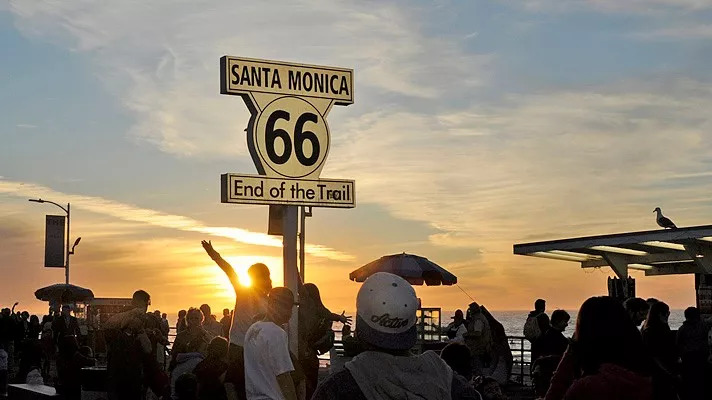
x,y
274,331
266,330
553,334
340,385
254,326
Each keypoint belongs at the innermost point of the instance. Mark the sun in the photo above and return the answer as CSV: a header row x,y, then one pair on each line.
x,y
242,263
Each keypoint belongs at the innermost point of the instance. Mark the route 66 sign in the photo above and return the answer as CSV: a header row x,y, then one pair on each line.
x,y
287,135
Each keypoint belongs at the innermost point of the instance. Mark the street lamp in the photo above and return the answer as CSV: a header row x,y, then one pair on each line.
x,y
76,242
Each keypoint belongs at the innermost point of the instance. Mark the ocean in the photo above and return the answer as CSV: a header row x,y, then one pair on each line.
x,y
513,321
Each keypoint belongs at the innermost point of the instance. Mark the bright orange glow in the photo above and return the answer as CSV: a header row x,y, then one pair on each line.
x,y
242,263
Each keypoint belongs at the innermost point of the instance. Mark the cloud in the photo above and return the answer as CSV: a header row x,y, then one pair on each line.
x,y
581,161
26,126
132,213
161,59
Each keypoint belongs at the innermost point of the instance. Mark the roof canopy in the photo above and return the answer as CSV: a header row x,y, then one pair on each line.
x,y
658,252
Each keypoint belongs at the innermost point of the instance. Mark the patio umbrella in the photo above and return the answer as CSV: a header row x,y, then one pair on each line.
x,y
62,293
415,269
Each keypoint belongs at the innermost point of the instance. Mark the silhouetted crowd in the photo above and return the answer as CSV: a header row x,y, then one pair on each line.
x,y
29,349
609,357
246,354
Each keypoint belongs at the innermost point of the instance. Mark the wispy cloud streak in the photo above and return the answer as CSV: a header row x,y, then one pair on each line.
x,y
132,213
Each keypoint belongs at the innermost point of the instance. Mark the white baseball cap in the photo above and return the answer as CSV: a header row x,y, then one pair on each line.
x,y
386,308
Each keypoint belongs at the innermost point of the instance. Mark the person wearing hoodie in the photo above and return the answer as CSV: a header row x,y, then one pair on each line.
x,y
606,358
386,308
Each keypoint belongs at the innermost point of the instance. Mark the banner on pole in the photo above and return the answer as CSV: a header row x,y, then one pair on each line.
x,y
54,241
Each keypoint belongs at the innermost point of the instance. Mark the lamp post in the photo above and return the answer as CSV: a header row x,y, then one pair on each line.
x,y
68,252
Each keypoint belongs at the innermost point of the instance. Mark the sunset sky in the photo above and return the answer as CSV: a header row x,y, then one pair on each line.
x,y
475,125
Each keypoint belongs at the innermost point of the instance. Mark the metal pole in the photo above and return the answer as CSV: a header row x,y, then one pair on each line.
x,y
66,263
302,240
290,221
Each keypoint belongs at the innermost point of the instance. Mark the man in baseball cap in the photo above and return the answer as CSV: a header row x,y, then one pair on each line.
x,y
386,308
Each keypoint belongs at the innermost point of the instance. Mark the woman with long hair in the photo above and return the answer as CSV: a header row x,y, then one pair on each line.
x,y
606,359
315,333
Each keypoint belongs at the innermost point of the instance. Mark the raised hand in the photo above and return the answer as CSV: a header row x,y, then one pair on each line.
x,y
208,246
345,319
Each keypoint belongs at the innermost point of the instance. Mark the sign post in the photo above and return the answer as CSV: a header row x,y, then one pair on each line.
x,y
289,140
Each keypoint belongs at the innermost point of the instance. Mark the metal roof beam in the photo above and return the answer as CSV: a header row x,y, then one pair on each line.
x,y
664,245
649,259
701,254
702,244
674,269
619,264
666,235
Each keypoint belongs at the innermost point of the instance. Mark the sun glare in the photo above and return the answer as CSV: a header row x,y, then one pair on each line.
x,y
242,263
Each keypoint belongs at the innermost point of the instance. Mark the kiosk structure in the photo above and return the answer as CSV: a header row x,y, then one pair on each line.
x,y
657,252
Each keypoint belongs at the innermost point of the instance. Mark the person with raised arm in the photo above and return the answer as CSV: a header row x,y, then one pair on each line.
x,y
250,302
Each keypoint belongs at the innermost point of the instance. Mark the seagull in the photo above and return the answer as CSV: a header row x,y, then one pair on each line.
x,y
662,220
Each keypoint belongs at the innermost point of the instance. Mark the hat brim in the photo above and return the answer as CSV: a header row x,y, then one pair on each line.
x,y
391,341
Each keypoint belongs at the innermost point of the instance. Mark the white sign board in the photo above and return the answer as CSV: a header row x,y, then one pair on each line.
x,y
54,241
287,135
257,189
242,76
